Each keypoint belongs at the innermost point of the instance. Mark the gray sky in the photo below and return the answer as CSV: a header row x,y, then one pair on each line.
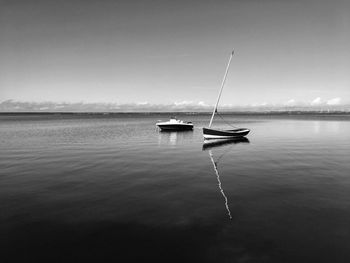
x,y
161,52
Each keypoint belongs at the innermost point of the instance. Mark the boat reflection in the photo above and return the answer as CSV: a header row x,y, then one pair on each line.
x,y
208,145
173,137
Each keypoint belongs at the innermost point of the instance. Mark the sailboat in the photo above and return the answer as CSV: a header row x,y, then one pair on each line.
x,y
209,133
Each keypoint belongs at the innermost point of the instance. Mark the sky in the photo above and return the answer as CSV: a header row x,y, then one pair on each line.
x,y
175,52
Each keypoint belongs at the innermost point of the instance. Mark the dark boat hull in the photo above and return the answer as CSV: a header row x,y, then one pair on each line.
x,y
175,127
224,134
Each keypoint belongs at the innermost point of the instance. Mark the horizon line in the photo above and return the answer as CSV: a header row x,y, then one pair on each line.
x,y
289,112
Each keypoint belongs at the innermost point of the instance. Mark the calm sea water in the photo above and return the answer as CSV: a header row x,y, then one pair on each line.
x,y
77,188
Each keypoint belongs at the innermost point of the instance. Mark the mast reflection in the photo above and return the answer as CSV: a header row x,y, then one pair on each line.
x,y
219,183
208,145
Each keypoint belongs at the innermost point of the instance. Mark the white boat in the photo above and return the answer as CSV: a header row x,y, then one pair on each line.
x,y
209,133
175,125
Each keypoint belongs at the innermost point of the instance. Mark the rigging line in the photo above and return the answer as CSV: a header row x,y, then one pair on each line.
x,y
225,120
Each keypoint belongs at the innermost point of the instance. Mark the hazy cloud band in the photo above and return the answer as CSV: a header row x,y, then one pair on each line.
x,y
184,106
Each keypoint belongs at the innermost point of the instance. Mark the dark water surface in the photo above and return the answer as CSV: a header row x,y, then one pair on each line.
x,y
78,188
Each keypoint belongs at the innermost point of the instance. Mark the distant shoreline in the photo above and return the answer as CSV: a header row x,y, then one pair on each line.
x,y
326,113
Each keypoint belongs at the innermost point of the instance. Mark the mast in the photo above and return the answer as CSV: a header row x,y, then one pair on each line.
x,y
222,86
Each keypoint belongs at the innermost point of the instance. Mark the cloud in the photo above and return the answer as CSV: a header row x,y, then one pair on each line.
x,y
44,108
335,101
18,106
182,106
143,103
316,101
291,102
181,103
